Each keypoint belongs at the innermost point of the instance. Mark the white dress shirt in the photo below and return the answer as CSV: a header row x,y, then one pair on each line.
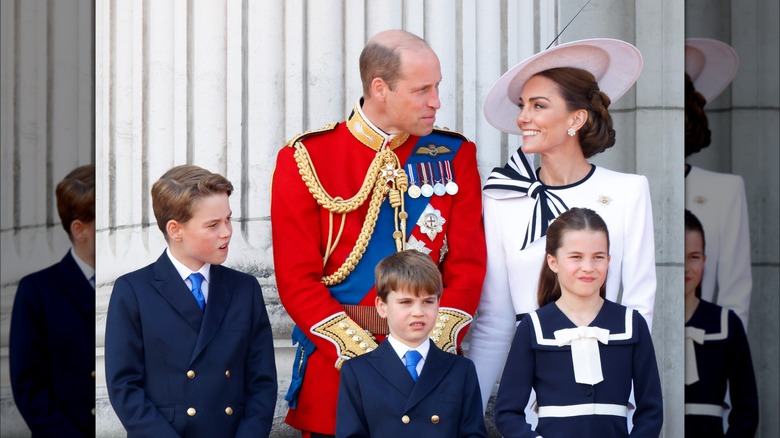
x,y
401,349
185,272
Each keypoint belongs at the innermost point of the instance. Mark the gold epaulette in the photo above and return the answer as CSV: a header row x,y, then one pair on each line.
x,y
350,339
447,131
448,324
301,136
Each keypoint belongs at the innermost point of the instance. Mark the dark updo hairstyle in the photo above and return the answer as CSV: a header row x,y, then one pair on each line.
x,y
576,219
697,129
693,224
581,91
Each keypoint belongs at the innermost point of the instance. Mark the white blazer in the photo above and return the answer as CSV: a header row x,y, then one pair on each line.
x,y
718,200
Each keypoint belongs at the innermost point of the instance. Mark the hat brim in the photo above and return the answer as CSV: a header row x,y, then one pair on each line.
x,y
615,64
711,64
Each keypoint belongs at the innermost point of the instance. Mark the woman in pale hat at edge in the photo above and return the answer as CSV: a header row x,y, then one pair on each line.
x,y
717,199
557,100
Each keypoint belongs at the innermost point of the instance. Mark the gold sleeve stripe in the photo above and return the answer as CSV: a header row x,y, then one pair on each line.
x,y
350,339
448,325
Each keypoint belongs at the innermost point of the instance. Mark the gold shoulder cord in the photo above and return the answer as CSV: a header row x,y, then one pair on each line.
x,y
384,176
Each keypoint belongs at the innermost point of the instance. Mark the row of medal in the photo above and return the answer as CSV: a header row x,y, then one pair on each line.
x,y
431,178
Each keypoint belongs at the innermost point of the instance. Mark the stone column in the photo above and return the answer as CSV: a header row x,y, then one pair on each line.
x,y
46,130
744,122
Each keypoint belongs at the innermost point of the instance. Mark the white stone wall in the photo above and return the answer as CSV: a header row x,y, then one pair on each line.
x,y
744,121
46,130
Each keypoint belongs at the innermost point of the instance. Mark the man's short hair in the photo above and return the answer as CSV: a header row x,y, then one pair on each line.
x,y
76,196
382,60
408,271
175,194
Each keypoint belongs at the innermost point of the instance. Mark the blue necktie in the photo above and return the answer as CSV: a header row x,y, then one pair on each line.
x,y
197,279
412,359
92,281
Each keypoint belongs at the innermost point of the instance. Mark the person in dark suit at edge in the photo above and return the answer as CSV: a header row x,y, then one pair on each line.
x,y
52,336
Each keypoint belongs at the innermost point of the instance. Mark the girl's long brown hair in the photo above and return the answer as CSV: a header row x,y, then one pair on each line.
x,y
576,219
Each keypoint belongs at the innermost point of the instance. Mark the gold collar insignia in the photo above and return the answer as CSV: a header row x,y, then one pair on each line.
x,y
371,136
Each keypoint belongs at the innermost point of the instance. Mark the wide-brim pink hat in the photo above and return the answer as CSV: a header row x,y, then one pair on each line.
x,y
711,64
615,64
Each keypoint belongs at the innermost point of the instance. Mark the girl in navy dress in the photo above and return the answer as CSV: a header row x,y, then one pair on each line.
x,y
578,351
716,353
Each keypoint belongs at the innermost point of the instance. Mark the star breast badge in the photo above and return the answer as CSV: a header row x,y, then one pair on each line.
x,y
417,245
389,172
431,222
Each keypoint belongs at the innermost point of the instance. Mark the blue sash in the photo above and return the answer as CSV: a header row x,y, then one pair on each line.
x,y
355,287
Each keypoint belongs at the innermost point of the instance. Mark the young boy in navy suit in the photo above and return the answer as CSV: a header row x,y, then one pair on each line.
x,y
189,351
408,385
52,339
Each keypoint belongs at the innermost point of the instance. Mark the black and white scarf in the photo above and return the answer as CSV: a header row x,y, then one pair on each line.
x,y
518,176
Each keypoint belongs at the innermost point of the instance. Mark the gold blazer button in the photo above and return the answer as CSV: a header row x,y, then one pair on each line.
x,y
435,419
227,374
405,419
190,374
191,412
229,410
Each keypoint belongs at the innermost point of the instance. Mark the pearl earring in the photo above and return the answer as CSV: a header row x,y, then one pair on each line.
x,y
571,132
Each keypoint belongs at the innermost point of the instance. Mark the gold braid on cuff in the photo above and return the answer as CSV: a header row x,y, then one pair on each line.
x,y
350,339
448,325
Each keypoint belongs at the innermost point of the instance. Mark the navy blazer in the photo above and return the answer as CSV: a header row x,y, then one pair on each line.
x,y
52,351
378,397
173,370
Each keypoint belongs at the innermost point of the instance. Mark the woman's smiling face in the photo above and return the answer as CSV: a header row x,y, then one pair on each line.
x,y
544,117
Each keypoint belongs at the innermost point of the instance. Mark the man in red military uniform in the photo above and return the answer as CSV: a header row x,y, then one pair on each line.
x,y
348,195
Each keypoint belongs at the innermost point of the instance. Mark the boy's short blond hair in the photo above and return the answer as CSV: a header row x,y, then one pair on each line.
x,y
76,196
408,271
175,194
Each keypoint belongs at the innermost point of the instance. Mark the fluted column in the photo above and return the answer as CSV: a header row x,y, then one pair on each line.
x,y
746,142
46,130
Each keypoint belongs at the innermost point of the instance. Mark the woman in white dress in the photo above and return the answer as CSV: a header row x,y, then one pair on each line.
x,y
558,101
717,199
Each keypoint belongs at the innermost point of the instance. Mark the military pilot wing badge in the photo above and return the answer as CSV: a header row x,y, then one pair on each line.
x,y
432,150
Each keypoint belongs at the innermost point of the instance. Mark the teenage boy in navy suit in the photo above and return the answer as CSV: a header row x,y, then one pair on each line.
x,y
408,385
189,351
52,339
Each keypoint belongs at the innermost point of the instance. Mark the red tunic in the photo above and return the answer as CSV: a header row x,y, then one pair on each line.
x,y
300,237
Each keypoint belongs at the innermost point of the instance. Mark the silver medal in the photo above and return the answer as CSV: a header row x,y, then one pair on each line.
x,y
426,189
414,190
451,187
438,186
